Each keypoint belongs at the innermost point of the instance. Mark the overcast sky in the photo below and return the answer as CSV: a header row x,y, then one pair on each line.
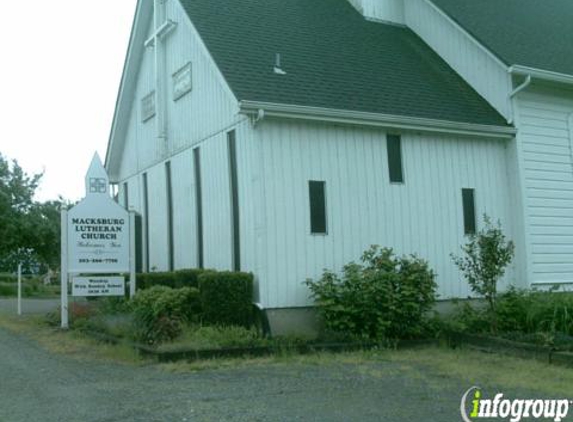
x,y
61,68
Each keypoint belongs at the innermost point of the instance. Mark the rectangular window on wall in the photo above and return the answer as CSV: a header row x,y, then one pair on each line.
x,y
169,215
317,196
394,147
236,242
199,206
146,221
126,196
468,200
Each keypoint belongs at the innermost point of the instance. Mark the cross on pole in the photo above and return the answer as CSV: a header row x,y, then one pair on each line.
x,y
162,27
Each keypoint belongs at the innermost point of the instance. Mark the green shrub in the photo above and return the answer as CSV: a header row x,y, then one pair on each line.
x,y
160,312
8,289
11,289
8,278
175,279
188,277
226,297
550,312
522,311
148,280
386,297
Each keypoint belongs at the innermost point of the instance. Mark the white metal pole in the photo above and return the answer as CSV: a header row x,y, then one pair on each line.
x,y
20,289
131,254
64,269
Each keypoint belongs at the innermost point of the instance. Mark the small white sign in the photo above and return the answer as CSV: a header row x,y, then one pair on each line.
x,y
98,286
148,106
182,81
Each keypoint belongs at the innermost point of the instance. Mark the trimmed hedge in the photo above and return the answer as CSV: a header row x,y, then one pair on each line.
x,y
226,297
175,279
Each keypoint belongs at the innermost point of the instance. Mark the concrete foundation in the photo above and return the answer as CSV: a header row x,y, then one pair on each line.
x,y
305,322
294,321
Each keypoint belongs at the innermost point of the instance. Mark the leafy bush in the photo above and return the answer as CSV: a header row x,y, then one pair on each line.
x,y
385,297
226,297
160,312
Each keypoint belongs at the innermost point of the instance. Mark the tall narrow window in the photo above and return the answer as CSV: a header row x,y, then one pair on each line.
x,y
169,214
468,201
394,147
317,197
146,221
236,245
199,205
126,196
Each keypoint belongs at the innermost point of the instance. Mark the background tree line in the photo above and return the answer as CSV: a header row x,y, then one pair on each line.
x,y
29,230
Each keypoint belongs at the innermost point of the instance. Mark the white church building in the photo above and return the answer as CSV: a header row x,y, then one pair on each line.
x,y
283,137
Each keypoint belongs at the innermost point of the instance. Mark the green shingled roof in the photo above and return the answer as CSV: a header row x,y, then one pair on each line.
x,y
334,58
532,33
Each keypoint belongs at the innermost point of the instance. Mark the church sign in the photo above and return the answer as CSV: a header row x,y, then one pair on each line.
x,y
98,229
97,238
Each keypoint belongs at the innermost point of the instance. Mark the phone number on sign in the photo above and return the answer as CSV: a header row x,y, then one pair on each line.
x,y
98,261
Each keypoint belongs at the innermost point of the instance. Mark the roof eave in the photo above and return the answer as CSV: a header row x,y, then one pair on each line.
x,y
546,75
375,119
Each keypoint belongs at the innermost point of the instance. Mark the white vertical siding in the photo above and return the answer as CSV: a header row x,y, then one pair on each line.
x,y
486,74
158,240
422,216
546,138
184,210
194,117
215,178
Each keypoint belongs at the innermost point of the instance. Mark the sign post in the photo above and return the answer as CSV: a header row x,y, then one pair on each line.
x,y
20,289
132,255
64,271
97,238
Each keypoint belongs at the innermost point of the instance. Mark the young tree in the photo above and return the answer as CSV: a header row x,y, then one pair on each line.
x,y
484,260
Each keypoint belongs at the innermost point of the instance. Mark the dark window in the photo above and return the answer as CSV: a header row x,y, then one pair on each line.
x,y
468,201
199,206
126,196
317,207
394,148
234,201
146,221
169,214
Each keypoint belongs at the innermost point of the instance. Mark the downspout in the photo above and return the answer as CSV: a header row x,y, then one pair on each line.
x,y
570,124
521,87
516,91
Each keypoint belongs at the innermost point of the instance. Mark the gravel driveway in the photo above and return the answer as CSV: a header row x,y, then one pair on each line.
x,y
38,386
